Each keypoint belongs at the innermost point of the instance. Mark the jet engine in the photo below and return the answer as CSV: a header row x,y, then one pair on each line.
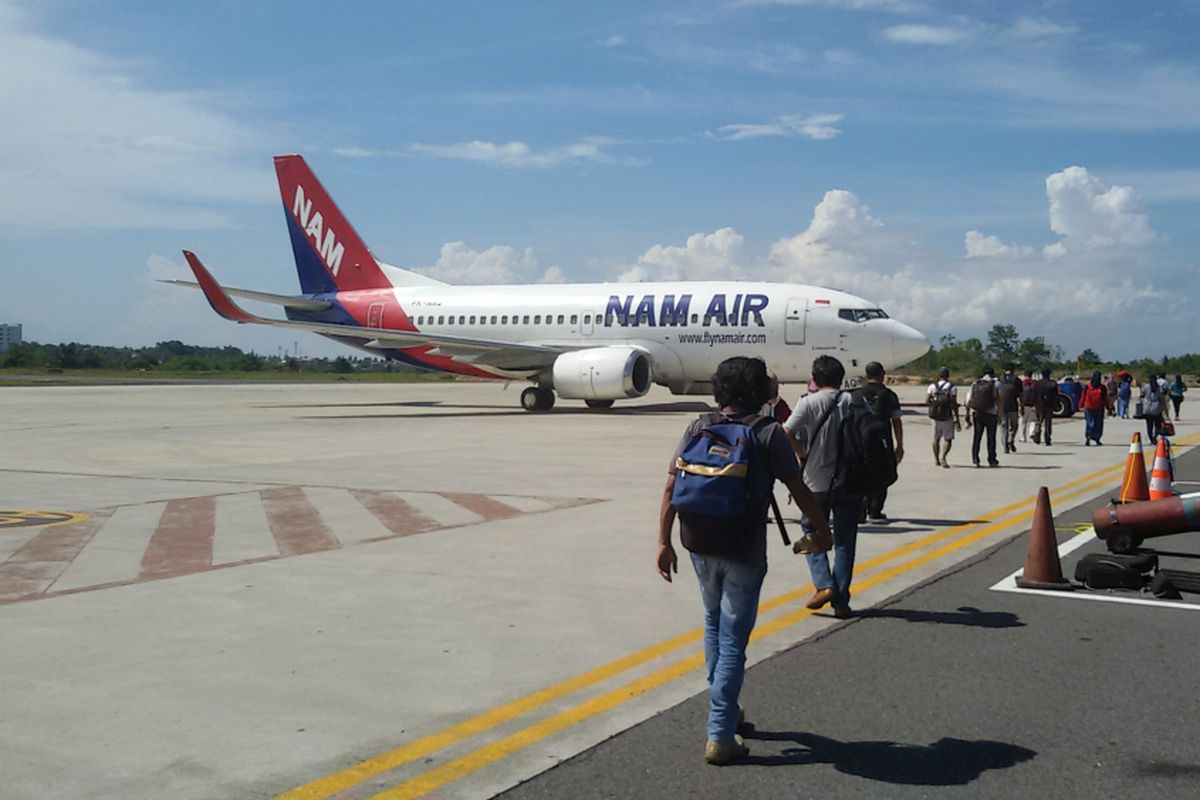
x,y
602,373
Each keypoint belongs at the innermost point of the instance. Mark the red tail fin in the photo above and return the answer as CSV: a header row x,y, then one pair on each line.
x,y
330,256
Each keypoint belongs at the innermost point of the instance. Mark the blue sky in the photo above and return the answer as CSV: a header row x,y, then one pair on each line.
x,y
960,163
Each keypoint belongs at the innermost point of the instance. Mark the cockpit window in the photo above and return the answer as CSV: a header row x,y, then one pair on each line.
x,y
861,314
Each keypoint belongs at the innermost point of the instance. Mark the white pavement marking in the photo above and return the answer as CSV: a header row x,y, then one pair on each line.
x,y
241,529
1009,584
530,505
439,509
344,515
115,552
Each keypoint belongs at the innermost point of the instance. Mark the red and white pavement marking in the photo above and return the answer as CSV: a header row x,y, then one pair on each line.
x,y
130,544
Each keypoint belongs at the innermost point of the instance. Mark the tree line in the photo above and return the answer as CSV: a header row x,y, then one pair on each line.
x,y
1004,345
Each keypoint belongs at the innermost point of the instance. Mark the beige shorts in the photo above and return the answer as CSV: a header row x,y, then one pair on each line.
x,y
943,429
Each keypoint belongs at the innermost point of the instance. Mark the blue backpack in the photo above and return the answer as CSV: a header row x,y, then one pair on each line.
x,y
712,494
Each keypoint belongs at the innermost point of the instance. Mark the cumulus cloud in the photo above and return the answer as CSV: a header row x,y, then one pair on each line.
x,y
499,264
705,256
894,6
927,34
88,133
518,155
979,245
815,126
1088,214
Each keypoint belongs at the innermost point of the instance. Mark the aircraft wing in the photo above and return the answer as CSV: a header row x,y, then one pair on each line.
x,y
506,355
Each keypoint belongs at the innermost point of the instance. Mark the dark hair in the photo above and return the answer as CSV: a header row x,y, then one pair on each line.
x,y
741,382
1028,373
944,372
987,370
1009,366
874,371
828,371
1046,372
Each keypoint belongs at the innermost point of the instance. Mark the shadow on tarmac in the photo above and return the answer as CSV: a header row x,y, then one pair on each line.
x,y
901,525
450,411
966,615
946,762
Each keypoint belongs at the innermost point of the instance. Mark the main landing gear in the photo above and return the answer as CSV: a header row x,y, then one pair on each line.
x,y
598,403
535,398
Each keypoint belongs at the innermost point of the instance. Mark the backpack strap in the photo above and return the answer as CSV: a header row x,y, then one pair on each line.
x,y
821,424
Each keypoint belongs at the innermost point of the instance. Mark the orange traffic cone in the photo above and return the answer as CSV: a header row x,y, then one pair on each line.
x,y
1134,487
1160,474
1043,570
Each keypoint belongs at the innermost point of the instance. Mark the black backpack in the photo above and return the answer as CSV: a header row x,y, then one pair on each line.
x,y
941,403
1010,389
866,457
983,395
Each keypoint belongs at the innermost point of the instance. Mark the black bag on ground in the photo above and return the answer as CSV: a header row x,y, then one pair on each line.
x,y
1112,571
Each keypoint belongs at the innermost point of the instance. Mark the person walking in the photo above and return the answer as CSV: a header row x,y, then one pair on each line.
x,y
942,399
731,569
886,405
1176,390
1009,406
1047,404
1151,401
817,417
981,412
1124,392
1110,383
1095,402
1028,405
776,407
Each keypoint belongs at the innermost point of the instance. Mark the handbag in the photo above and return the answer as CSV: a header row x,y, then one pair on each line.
x,y
1139,410
1167,428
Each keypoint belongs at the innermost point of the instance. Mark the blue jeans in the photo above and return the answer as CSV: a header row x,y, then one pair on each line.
x,y
1123,407
844,514
730,591
1093,425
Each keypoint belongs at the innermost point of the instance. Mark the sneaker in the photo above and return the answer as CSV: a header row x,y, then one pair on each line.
x,y
946,464
720,753
880,517
993,463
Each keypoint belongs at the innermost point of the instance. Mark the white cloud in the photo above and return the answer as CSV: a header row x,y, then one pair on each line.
x,y
88,144
927,34
895,6
1088,214
705,256
499,264
611,41
980,246
816,127
518,155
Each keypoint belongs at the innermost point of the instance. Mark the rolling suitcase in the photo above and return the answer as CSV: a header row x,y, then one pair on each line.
x,y
1111,571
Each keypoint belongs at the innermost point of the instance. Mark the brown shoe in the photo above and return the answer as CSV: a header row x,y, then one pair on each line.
x,y
820,599
843,612
725,752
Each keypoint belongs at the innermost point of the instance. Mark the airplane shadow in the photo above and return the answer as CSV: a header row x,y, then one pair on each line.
x,y
965,615
440,410
946,762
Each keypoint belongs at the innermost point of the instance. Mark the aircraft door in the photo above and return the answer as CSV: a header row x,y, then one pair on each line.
x,y
585,324
375,315
794,326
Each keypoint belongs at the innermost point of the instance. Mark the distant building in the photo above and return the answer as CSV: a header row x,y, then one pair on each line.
x,y
9,335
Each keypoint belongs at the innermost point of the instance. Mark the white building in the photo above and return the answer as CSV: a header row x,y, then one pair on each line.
x,y
9,335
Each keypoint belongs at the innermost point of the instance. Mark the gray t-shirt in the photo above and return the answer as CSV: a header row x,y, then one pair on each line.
x,y
821,463
779,464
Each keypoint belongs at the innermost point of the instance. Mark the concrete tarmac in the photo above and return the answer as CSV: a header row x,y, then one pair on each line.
x,y
395,591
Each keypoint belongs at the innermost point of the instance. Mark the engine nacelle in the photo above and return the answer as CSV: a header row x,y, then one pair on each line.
x,y
602,373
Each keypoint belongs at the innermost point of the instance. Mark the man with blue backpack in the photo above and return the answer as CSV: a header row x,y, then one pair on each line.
x,y
720,485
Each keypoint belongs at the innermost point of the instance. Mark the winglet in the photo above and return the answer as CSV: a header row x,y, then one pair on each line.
x,y
216,296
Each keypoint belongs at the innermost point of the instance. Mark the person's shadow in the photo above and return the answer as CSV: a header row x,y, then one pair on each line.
x,y
965,615
946,762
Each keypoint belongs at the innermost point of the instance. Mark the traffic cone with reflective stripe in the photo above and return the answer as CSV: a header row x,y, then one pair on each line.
x,y
1042,570
1160,474
1134,487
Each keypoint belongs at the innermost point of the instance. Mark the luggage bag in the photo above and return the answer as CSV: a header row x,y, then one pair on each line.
x,y
1111,571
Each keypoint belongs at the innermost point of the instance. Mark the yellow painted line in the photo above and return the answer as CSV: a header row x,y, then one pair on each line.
x,y
339,781
478,759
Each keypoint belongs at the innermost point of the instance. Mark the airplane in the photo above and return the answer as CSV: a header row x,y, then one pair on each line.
x,y
596,342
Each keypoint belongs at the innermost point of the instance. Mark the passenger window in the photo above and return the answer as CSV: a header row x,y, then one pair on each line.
x,y
472,319
574,319
608,321
525,320
560,319
493,319
695,318
420,320
587,319
450,320
441,320
504,320
537,319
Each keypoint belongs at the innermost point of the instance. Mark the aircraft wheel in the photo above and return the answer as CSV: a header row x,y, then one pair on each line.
x,y
1063,407
598,403
535,398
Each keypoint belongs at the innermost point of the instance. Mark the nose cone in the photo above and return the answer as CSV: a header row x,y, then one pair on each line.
x,y
908,344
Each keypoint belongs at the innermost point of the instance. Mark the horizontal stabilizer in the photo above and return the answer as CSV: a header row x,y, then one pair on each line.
x,y
266,297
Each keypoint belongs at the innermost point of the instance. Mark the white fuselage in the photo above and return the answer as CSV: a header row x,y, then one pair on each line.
x,y
687,328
